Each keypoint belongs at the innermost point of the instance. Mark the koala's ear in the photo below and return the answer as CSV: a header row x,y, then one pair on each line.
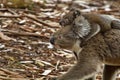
x,y
77,13
95,29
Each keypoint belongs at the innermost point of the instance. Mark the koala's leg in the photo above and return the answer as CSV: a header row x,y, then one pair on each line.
x,y
84,69
109,72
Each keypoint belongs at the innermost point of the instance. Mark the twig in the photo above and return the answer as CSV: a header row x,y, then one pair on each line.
x,y
3,9
35,19
30,17
11,16
103,11
26,11
9,10
13,12
7,78
9,72
10,32
36,23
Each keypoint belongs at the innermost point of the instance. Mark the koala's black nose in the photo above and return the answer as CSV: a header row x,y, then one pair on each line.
x,y
61,23
52,40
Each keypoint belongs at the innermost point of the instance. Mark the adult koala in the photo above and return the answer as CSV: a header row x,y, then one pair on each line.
x,y
91,47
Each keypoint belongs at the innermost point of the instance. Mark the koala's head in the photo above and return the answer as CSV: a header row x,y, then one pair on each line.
x,y
69,17
67,37
64,38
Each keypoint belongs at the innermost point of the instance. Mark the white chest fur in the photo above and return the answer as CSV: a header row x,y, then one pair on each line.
x,y
76,49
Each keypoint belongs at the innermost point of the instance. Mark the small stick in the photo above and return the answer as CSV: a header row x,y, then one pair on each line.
x,y
7,78
35,19
10,32
11,16
30,17
13,12
9,72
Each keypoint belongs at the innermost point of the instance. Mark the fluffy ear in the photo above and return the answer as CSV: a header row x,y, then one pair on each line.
x,y
76,12
81,27
95,29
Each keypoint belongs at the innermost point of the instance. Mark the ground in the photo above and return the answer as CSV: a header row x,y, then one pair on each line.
x,y
25,51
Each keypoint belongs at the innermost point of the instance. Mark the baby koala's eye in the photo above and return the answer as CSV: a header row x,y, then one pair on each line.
x,y
66,20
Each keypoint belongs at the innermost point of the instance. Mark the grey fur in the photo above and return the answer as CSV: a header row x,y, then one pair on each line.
x,y
102,48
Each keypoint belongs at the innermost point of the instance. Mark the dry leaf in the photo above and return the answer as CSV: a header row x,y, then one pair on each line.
x,y
46,72
42,63
4,37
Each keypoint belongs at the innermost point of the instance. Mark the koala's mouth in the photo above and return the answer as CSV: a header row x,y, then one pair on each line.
x,y
57,46
63,46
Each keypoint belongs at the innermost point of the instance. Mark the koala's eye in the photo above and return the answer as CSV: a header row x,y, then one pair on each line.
x,y
62,22
60,37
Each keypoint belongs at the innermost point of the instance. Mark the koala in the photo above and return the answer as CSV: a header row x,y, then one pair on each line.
x,y
106,22
97,49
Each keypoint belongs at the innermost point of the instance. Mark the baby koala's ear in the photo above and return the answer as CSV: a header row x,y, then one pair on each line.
x,y
77,13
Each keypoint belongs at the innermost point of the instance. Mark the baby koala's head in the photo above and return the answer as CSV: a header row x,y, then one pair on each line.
x,y
68,18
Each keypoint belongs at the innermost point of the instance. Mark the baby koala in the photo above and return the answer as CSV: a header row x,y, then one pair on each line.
x,y
106,22
68,18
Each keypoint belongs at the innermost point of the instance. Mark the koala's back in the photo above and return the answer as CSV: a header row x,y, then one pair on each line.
x,y
112,39
105,46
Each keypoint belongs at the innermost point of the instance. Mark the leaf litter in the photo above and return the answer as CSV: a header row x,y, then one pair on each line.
x,y
25,51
